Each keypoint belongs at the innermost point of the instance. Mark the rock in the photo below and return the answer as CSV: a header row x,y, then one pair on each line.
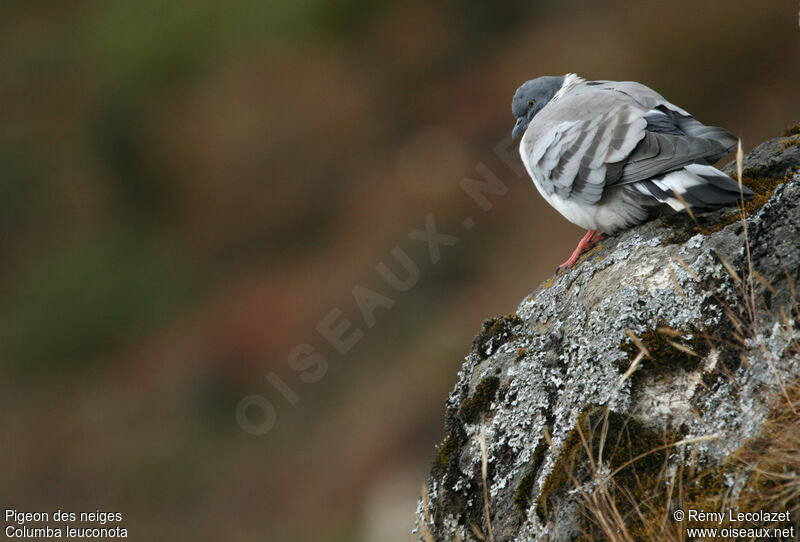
x,y
714,312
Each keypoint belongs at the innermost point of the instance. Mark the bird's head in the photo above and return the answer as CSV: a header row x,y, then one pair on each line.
x,y
530,98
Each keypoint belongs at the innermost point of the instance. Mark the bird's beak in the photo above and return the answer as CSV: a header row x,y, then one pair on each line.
x,y
519,128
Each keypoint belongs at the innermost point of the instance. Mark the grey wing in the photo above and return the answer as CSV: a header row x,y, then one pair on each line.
x,y
672,141
660,153
665,117
597,138
576,148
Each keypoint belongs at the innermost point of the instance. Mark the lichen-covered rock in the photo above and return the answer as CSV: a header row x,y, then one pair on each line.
x,y
711,301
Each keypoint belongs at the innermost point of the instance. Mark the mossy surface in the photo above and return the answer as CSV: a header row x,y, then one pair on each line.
x,y
448,454
446,466
682,227
665,356
524,490
766,466
634,453
763,188
793,141
791,131
495,332
791,136
447,450
479,402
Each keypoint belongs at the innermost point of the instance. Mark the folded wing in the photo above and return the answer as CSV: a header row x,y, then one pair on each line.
x,y
605,133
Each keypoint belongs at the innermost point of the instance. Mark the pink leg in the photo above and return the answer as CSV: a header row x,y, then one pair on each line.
x,y
589,240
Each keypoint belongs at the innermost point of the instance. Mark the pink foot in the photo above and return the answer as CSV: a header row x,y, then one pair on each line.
x,y
589,240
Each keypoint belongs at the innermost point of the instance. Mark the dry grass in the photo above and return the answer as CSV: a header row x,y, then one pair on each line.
x,y
771,463
774,458
487,514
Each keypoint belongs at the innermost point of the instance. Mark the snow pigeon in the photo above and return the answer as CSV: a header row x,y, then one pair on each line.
x,y
609,155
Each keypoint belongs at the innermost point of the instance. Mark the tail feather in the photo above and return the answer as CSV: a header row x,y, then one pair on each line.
x,y
700,186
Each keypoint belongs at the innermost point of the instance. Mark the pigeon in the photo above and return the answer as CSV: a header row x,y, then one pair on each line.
x,y
609,155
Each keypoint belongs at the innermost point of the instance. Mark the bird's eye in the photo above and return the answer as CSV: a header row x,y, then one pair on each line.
x,y
531,103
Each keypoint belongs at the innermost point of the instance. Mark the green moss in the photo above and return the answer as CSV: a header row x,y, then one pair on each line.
x,y
701,489
631,449
522,495
792,130
644,494
449,451
479,402
600,257
495,332
763,188
681,228
793,141
446,450
665,357
767,465
446,465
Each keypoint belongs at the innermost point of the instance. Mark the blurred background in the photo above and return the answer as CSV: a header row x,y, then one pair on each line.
x,y
190,187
